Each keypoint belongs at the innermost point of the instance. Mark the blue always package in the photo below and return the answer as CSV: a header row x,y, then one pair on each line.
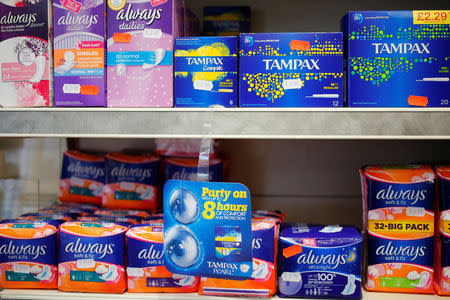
x,y
397,59
207,229
291,70
319,261
205,71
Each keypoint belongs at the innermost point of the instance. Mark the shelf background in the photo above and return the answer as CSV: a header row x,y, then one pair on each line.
x,y
304,123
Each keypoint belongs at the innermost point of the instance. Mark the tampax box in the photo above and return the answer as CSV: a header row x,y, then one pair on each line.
x,y
140,38
290,70
398,58
79,52
25,53
205,71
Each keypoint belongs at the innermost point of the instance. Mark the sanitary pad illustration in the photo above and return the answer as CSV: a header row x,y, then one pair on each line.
x,y
131,182
263,279
79,53
442,241
146,271
139,58
319,261
26,55
187,169
82,178
399,224
205,71
28,254
91,257
396,59
207,229
291,70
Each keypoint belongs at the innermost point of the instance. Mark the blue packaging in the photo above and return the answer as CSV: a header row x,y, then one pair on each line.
x,y
207,229
226,20
319,261
397,59
205,71
187,169
291,70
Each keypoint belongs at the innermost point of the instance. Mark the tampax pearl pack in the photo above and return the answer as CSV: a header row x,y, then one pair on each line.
x,y
145,263
263,281
140,38
205,71
28,254
399,220
92,257
398,58
82,178
442,242
291,70
26,54
207,229
79,52
317,261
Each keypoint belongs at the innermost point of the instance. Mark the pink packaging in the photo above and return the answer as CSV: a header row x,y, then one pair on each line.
x,y
140,37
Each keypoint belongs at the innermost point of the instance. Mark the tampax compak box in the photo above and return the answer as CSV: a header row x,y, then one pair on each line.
x,y
205,71
398,58
79,52
25,53
291,70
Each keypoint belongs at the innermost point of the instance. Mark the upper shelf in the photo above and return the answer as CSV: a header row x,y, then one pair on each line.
x,y
258,123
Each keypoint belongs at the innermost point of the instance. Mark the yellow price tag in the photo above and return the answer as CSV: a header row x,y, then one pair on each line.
x,y
401,226
444,226
431,17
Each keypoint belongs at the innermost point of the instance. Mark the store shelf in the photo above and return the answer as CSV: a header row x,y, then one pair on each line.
x,y
284,123
57,295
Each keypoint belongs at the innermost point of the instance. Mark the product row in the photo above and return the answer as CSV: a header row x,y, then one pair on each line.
x,y
126,181
134,55
406,232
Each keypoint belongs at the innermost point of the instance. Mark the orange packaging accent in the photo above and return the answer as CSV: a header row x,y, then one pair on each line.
x,y
417,101
131,182
92,257
89,90
28,251
399,226
263,280
300,45
122,37
292,250
145,258
82,178
442,241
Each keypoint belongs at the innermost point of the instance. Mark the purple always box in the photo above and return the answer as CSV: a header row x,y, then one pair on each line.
x,y
140,39
79,52
318,261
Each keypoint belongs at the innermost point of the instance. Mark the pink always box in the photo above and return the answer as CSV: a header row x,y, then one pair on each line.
x,y
139,51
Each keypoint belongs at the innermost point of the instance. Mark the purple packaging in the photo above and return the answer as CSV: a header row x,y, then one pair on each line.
x,y
25,53
140,40
79,52
317,261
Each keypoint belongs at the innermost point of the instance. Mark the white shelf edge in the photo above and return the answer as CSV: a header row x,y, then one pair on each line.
x,y
22,294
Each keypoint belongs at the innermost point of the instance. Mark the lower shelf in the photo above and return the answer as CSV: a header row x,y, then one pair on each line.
x,y
55,294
